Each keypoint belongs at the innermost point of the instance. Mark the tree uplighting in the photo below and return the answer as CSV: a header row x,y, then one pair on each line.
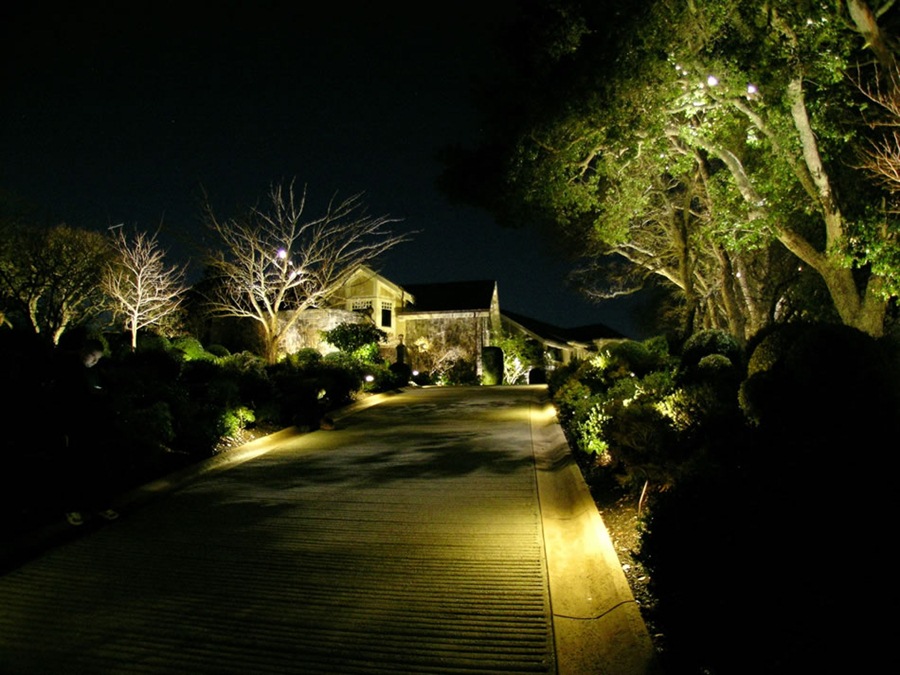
x,y
313,258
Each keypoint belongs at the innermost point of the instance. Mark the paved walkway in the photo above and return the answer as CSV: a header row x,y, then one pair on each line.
x,y
439,530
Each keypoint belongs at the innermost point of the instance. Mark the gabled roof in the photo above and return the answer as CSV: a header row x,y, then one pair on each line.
x,y
368,273
544,330
582,334
452,296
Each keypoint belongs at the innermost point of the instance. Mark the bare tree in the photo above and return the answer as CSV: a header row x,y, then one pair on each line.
x,y
882,157
275,264
141,289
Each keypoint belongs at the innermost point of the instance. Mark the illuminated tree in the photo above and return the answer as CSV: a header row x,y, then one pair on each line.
x,y
710,143
882,156
881,160
52,277
142,290
520,355
276,263
770,102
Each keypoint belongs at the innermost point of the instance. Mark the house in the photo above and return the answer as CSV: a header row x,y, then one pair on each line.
x,y
439,325
561,345
449,323
367,292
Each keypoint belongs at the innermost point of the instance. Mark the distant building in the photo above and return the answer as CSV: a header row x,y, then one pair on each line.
x,y
450,321
439,324
370,294
563,345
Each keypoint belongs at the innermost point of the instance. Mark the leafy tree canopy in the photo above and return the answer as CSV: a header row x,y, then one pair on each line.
x,y
711,143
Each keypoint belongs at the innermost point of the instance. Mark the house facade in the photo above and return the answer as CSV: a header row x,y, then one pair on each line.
x,y
449,323
368,293
437,324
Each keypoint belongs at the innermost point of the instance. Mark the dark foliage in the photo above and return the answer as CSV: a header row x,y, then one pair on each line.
x,y
747,553
751,548
165,405
706,343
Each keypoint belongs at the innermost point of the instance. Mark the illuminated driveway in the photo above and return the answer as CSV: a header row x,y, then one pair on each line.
x,y
438,531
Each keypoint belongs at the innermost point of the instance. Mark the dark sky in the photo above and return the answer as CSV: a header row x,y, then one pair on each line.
x,y
124,112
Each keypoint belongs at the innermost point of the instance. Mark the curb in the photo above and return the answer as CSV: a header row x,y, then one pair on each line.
x,y
597,624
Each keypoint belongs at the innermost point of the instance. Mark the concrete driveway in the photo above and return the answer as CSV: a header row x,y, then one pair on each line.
x,y
437,530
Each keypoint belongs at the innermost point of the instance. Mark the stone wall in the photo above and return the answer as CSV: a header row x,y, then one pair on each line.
x,y
307,332
434,344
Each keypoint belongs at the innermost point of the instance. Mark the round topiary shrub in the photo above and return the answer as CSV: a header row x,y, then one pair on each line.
x,y
707,342
219,351
828,383
767,347
637,358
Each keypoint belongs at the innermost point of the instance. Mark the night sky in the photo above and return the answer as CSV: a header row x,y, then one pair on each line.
x,y
127,115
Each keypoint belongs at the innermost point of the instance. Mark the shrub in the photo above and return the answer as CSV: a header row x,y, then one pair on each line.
x,y
572,400
304,358
818,393
402,372
295,395
590,431
518,354
767,347
341,376
219,351
150,428
191,348
598,372
350,337
494,368
691,546
632,358
707,342
248,372
235,420
828,382
422,379
562,375
641,442
385,377
368,353
207,380
148,341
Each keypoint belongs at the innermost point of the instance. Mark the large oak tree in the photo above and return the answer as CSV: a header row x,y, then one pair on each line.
x,y
709,143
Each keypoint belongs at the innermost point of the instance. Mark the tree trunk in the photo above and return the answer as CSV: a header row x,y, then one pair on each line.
x,y
867,26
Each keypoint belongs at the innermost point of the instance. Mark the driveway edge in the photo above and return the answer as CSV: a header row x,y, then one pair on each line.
x,y
597,624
